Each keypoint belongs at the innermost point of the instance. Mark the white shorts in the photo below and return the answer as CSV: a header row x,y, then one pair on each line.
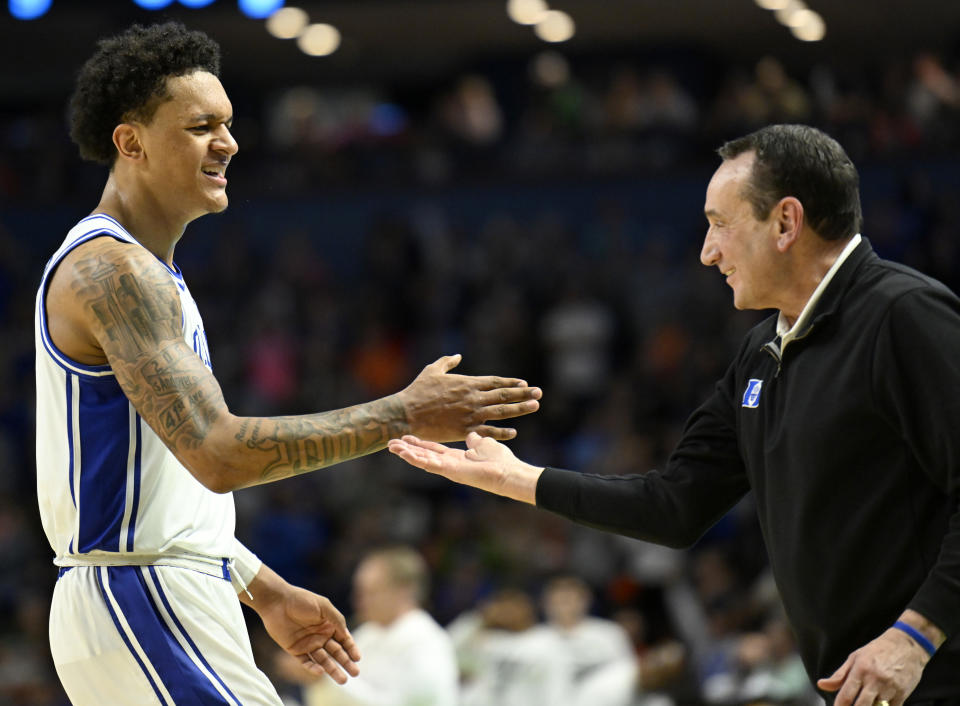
x,y
152,635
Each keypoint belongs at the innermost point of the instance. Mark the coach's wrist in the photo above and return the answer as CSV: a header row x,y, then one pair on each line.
x,y
921,631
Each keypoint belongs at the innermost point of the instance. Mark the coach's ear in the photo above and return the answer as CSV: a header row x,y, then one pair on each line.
x,y
788,214
126,138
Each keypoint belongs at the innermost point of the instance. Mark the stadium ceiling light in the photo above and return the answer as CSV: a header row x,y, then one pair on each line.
x,y
287,22
319,40
786,15
28,9
196,3
527,12
152,4
812,28
556,26
772,4
259,9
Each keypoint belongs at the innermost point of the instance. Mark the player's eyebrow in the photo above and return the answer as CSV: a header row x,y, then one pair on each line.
x,y
207,117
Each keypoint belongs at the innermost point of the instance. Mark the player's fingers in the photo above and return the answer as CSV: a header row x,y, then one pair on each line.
x,y
329,665
504,395
309,643
447,363
352,648
336,650
498,433
495,382
306,661
508,411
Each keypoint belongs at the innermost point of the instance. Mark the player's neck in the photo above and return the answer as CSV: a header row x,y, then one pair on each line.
x,y
142,215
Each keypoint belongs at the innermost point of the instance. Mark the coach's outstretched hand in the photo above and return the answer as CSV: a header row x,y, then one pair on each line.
x,y
305,625
441,406
486,464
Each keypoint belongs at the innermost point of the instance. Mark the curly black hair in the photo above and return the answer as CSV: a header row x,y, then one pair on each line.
x,y
125,77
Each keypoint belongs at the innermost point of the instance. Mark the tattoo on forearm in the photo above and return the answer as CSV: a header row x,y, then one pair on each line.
x,y
294,445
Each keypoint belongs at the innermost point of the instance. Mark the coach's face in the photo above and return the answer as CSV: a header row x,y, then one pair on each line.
x,y
742,247
187,146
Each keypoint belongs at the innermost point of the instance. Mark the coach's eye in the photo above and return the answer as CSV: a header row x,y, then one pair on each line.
x,y
199,129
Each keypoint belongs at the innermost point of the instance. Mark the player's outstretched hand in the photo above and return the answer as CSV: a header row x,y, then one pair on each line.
x,y
306,625
486,464
442,406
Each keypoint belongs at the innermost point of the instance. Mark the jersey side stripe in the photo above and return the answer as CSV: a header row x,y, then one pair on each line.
x,y
130,639
175,670
132,482
103,419
76,454
183,637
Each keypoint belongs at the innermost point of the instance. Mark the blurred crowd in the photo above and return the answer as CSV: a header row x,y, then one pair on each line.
x,y
542,218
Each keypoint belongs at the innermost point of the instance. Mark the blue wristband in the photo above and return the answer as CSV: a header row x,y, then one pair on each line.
x,y
917,636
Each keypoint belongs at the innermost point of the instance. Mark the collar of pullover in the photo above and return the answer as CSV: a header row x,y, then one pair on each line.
x,y
805,321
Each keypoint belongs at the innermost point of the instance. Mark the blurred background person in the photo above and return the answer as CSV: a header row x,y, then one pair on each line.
x,y
604,664
506,659
408,659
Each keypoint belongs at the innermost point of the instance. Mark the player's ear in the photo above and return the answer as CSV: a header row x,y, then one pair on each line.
x,y
126,138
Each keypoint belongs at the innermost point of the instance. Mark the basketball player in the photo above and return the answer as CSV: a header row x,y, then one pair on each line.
x,y
137,451
840,413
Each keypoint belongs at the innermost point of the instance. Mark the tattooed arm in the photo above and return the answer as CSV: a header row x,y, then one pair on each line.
x,y
112,302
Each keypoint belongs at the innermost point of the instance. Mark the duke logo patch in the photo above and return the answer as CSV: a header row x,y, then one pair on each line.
x,y
751,396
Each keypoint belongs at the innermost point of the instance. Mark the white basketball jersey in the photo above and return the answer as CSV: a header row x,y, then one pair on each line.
x,y
110,491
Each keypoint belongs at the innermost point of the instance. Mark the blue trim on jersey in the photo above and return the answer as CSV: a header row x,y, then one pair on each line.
x,y
123,634
70,437
136,485
196,650
104,418
69,400
58,356
175,271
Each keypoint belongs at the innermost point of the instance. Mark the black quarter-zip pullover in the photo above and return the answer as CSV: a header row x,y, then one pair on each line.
x,y
850,442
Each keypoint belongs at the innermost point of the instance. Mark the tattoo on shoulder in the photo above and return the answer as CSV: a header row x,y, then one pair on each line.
x,y
134,311
137,312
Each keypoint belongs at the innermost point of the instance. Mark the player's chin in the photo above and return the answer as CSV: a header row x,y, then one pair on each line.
x,y
218,202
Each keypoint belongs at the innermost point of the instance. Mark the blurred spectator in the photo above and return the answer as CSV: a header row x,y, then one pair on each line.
x,y
604,665
505,660
408,659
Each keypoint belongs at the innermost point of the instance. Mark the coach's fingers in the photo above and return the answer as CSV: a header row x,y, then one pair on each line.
x,y
413,455
835,680
424,444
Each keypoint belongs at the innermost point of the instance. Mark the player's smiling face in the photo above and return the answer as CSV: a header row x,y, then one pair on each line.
x,y
742,247
187,146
